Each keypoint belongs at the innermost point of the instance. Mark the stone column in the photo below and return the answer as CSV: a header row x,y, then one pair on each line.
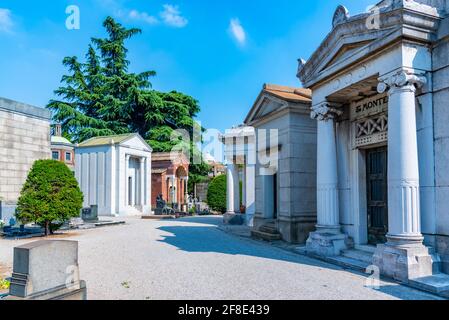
x,y
142,182
230,188
244,186
404,256
236,175
174,189
328,239
186,182
127,191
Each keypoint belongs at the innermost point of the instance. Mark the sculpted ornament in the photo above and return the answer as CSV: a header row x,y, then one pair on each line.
x,y
341,15
325,112
401,79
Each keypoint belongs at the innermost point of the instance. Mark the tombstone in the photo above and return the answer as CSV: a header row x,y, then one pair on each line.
x,y
160,205
47,270
90,214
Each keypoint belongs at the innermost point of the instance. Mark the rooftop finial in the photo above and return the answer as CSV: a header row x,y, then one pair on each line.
x,y
341,15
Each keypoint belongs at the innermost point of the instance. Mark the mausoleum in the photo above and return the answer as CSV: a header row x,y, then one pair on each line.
x,y
24,138
170,178
380,99
114,174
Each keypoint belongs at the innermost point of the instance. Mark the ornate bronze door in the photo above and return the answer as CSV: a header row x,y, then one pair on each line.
x,y
377,195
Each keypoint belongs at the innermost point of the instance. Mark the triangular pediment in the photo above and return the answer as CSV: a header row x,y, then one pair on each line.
x,y
345,51
267,106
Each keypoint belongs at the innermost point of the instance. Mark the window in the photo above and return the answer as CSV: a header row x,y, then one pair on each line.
x,y
55,155
68,156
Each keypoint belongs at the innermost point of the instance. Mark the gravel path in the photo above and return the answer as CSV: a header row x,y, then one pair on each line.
x,y
192,259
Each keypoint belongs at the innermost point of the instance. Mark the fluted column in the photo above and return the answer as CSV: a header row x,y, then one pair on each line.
x,y
403,170
404,256
327,178
127,191
230,188
142,182
236,175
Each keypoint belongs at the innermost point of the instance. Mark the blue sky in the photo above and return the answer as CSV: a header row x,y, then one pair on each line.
x,y
220,52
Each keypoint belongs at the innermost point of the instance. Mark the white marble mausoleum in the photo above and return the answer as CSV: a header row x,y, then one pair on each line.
x,y
380,98
114,173
380,83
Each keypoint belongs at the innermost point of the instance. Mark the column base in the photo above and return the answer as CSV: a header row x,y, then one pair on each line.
x,y
403,259
234,218
327,244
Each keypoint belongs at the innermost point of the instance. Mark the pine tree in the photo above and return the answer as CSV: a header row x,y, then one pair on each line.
x,y
100,97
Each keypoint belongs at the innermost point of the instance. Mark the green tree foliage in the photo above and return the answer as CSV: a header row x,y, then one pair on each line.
x,y
50,196
101,97
216,194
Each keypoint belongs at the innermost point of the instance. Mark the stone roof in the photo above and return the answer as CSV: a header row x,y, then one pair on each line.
x,y
106,140
60,140
113,139
167,156
289,93
25,109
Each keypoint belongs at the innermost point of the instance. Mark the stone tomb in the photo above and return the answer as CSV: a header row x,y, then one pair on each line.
x,y
47,270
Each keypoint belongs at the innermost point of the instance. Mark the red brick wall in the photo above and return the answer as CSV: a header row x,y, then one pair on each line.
x,y
158,186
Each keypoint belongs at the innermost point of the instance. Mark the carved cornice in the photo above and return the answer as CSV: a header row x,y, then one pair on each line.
x,y
399,80
396,21
325,111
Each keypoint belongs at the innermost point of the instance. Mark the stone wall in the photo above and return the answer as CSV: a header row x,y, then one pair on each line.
x,y
24,138
441,136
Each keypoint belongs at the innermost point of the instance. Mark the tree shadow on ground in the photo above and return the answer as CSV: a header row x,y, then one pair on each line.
x,y
204,236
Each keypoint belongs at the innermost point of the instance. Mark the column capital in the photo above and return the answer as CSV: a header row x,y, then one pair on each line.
x,y
142,160
325,111
401,79
127,157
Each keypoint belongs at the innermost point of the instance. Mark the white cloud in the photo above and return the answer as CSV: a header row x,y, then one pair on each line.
x,y
5,20
171,16
237,31
143,16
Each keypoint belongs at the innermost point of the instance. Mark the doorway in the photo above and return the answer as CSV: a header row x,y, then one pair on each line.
x,y
377,195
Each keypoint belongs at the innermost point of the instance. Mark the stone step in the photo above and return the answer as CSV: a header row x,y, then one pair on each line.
x,y
265,236
349,263
437,284
269,229
364,256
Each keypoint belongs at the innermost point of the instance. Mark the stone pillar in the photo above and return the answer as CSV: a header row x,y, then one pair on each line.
x,y
142,182
328,240
173,188
236,175
230,188
127,192
186,182
244,186
404,256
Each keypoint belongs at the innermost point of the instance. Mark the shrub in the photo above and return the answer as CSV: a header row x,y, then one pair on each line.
x,y
216,194
50,197
4,284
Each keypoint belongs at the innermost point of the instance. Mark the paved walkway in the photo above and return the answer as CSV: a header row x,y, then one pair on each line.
x,y
192,259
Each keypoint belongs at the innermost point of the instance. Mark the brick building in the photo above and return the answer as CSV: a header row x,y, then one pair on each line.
x,y
170,176
62,149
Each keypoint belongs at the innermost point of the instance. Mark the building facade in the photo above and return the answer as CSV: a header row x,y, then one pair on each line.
x,y
24,138
170,178
285,163
275,151
240,157
114,173
380,96
62,149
